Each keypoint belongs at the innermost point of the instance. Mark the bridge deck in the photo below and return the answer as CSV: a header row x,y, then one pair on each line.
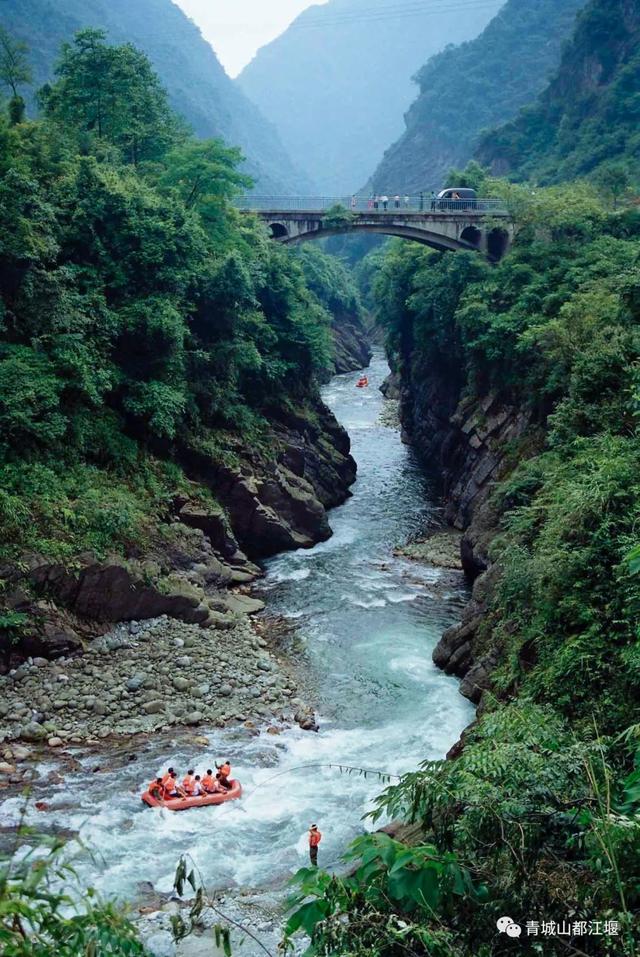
x,y
417,205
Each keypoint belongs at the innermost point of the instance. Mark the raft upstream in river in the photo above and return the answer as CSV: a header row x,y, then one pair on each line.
x,y
203,800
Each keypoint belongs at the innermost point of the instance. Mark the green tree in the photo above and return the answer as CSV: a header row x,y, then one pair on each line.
x,y
14,72
112,93
14,66
202,170
614,180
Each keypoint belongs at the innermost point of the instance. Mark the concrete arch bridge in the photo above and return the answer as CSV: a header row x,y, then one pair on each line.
x,y
482,225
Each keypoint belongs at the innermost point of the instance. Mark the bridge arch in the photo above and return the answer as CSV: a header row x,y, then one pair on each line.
x,y
480,225
426,237
279,231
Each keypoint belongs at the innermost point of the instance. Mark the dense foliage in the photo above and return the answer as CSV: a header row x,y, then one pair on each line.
x,y
469,87
586,121
141,317
540,812
44,910
197,85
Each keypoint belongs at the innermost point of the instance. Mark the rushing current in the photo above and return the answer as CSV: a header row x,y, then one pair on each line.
x,y
367,623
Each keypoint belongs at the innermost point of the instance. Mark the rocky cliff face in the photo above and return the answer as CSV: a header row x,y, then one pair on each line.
x,y
468,444
352,350
200,559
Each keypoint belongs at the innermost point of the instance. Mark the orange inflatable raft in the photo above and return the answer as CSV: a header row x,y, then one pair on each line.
x,y
362,383
204,800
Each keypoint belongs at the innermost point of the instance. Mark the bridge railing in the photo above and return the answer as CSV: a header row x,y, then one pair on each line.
x,y
421,203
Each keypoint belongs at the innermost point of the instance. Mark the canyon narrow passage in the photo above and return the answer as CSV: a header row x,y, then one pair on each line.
x,y
367,622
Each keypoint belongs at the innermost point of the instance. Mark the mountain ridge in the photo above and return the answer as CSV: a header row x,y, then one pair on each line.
x,y
488,79
198,87
325,84
588,114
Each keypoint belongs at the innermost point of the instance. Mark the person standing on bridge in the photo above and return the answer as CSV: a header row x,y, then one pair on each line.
x,y
354,202
385,202
407,201
433,200
396,200
376,202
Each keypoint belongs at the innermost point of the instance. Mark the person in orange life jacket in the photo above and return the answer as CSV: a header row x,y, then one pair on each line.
x,y
314,839
188,782
224,770
172,789
156,789
209,783
167,777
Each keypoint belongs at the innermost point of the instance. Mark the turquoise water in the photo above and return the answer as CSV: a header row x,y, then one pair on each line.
x,y
368,623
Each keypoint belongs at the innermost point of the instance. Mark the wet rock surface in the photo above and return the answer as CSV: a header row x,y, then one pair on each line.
x,y
440,548
352,350
195,564
469,445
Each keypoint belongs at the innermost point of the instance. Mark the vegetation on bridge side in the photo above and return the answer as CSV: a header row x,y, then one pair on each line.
x,y
538,817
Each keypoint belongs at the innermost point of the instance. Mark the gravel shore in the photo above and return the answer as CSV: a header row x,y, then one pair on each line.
x,y
144,677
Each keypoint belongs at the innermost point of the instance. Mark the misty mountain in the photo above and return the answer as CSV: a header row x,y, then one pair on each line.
x,y
198,87
337,82
467,88
589,115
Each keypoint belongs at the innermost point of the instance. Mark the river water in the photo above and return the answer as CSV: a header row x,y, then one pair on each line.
x,y
368,622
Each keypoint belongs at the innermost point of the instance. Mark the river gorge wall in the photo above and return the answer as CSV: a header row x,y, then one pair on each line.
x,y
199,558
468,444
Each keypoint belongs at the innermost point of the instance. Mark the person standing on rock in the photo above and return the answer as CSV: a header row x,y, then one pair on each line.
x,y
314,840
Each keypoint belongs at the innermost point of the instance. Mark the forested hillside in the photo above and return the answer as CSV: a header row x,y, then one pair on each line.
x,y
198,87
151,340
467,88
337,82
586,121
520,388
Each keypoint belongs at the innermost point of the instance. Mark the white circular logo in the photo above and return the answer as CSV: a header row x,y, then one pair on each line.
x,y
514,930
502,923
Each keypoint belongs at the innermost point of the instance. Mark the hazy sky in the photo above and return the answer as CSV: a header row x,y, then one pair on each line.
x,y
236,28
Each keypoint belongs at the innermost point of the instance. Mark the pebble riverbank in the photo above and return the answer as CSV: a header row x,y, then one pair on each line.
x,y
145,677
